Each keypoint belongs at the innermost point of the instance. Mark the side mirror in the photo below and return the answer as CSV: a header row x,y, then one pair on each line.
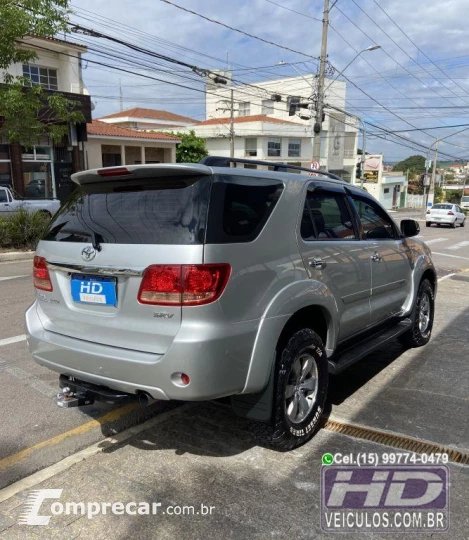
x,y
410,227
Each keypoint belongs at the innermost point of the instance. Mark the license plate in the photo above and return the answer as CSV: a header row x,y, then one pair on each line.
x,y
94,290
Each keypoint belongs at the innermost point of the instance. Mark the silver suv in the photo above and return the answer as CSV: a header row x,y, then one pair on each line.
x,y
194,282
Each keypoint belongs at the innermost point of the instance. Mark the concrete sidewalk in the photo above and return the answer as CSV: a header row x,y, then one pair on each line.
x,y
202,454
205,456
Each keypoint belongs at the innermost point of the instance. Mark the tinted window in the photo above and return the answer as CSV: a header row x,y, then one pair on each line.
x,y
326,217
240,207
442,207
376,223
150,211
3,196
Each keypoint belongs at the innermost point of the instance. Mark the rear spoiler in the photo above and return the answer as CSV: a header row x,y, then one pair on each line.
x,y
136,172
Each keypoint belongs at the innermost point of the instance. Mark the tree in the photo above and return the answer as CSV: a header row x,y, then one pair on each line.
x,y
29,112
414,164
191,149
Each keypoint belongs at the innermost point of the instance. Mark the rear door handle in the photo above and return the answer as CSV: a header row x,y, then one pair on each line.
x,y
316,262
376,257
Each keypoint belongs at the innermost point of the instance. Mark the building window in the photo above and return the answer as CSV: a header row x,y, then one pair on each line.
x,y
386,190
267,107
46,77
274,147
244,108
5,169
251,147
294,147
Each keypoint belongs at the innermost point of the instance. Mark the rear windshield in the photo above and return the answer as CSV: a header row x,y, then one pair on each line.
x,y
442,206
218,210
148,211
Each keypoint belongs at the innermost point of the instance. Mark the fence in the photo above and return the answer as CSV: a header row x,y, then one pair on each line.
x,y
414,201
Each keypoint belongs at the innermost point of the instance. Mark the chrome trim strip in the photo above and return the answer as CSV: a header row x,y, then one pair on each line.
x,y
98,270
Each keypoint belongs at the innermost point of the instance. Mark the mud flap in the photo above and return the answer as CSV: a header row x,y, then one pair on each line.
x,y
256,406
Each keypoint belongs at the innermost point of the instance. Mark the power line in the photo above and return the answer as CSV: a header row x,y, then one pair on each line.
x,y
294,11
399,46
238,30
419,49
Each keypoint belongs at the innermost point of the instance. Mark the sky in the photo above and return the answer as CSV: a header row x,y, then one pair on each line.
x,y
417,79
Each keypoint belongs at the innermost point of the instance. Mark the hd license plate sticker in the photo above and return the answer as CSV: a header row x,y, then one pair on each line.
x,y
94,290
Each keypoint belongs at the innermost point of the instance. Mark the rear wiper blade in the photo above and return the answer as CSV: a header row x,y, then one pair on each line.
x,y
95,237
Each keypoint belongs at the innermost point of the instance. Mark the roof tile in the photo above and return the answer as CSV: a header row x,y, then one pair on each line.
x,y
244,119
155,114
108,130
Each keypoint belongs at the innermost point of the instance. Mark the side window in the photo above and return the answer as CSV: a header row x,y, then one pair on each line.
x,y
326,217
3,196
239,208
376,223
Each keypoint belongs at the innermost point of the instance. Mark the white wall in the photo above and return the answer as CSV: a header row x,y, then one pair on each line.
x,y
94,152
67,66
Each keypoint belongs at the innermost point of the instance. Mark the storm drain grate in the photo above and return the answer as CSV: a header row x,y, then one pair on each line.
x,y
402,442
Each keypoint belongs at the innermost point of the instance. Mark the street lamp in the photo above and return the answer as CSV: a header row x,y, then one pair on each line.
x,y
368,49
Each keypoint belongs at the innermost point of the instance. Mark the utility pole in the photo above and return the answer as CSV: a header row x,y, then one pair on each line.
x,y
431,189
232,134
121,95
230,107
322,74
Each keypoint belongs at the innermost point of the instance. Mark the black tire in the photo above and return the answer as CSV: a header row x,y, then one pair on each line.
x,y
420,332
453,225
463,222
281,432
429,223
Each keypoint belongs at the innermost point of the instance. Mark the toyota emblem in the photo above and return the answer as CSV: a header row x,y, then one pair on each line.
x,y
88,253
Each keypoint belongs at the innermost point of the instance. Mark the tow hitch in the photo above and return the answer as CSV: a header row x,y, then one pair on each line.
x,y
76,393
67,398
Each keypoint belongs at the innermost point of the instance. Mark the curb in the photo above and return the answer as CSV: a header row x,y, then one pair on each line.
x,y
17,256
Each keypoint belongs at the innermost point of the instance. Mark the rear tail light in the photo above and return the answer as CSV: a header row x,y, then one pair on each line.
x,y
41,277
428,211
450,213
183,285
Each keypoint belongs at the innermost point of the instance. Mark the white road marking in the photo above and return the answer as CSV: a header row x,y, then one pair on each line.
x,y
435,240
14,339
13,277
31,381
452,256
459,246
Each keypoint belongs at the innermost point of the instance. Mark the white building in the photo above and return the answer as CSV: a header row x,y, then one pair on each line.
x,y
148,119
271,131
259,137
45,169
111,146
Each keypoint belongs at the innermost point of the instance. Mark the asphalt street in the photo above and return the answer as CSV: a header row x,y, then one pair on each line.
x,y
420,393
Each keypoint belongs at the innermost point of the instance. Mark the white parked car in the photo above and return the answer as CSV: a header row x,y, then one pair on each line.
x,y
465,201
9,204
447,213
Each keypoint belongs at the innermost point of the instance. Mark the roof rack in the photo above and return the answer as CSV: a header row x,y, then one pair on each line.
x,y
221,161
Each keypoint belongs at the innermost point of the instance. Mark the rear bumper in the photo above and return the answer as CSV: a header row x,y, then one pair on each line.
x,y
445,220
215,357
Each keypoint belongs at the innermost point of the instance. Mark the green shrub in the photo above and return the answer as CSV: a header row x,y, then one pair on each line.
x,y
22,230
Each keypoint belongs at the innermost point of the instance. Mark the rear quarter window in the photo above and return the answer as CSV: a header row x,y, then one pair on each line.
x,y
240,207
